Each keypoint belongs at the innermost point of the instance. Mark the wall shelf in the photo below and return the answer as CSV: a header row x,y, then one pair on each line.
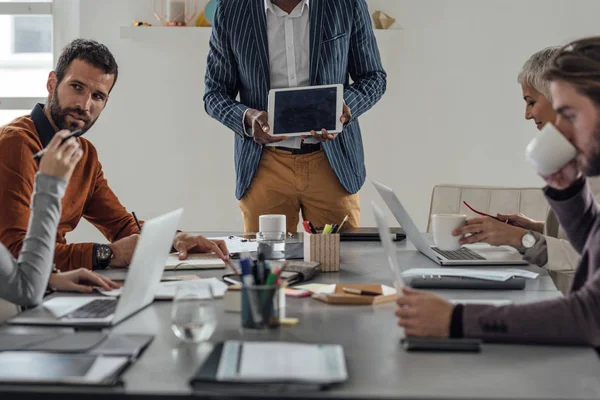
x,y
200,33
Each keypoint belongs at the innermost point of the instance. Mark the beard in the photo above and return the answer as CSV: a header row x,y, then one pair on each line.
x,y
59,115
589,162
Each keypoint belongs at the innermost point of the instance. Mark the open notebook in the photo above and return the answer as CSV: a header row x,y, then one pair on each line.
x,y
194,261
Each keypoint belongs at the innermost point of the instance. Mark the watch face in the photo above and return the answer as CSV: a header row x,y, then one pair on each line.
x,y
104,253
528,240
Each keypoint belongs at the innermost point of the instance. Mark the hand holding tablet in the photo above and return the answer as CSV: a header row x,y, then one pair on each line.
x,y
304,111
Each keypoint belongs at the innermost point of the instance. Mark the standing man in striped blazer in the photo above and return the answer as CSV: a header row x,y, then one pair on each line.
x,y
258,45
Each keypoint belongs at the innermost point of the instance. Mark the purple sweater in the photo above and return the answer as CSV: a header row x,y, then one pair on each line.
x,y
573,319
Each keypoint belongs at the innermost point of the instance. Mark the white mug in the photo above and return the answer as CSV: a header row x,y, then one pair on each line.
x,y
272,223
443,225
549,151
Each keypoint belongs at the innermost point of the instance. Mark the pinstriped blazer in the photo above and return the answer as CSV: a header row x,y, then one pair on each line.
x,y
342,46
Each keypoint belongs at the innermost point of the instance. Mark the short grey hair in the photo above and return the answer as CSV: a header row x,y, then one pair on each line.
x,y
533,70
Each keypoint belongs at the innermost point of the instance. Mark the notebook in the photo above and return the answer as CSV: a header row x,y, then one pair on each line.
x,y
194,261
316,366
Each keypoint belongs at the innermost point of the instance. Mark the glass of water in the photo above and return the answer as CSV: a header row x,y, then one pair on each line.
x,y
194,316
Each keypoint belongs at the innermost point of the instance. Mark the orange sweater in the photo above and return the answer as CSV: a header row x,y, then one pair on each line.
x,y
88,194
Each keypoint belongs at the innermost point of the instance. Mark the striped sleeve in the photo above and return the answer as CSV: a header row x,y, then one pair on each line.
x,y
364,64
221,80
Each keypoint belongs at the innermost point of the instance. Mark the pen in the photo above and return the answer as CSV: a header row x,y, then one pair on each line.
x,y
306,226
312,227
327,229
339,229
334,228
481,213
360,292
137,222
76,133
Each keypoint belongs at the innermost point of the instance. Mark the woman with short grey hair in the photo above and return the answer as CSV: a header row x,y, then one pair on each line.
x,y
543,243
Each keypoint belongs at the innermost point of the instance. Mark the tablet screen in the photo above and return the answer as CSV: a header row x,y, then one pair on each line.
x,y
305,110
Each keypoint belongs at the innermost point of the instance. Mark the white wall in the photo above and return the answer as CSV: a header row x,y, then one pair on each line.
x,y
452,112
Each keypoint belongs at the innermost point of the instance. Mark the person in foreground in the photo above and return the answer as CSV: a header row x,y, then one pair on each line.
x,y
575,318
23,281
78,91
547,245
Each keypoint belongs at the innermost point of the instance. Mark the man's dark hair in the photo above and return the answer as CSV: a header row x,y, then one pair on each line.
x,y
91,52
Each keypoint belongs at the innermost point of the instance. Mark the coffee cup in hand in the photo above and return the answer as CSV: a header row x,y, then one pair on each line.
x,y
549,151
443,226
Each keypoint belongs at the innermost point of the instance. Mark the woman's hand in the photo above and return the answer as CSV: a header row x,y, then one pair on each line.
x,y
522,221
80,280
60,160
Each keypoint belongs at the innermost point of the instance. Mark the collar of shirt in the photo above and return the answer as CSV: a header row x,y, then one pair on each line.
x,y
43,127
298,11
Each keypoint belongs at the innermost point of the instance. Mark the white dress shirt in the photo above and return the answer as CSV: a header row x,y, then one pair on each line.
x,y
289,53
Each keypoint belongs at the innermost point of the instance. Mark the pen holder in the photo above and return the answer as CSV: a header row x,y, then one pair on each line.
x,y
260,307
324,249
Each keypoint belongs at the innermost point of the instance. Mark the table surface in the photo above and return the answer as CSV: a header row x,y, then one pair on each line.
x,y
377,365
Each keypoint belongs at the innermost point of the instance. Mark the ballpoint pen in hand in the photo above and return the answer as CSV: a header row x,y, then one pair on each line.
x,y
137,222
75,134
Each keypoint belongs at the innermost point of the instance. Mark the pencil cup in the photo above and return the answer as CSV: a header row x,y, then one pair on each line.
x,y
324,249
260,307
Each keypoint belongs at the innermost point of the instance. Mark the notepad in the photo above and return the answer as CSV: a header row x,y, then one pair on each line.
x,y
261,362
194,261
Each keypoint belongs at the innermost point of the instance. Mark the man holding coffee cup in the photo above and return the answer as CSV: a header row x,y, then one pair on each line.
x,y
575,318
542,243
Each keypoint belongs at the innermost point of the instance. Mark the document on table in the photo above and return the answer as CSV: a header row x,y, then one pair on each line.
x,y
281,362
487,274
167,290
194,261
487,302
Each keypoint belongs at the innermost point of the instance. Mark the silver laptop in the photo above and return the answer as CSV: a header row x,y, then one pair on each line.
x,y
388,246
486,255
142,281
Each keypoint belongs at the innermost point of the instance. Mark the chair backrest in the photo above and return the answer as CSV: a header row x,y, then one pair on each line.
x,y
448,199
7,310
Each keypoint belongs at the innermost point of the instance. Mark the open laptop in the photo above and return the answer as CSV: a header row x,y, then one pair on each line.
x,y
142,281
486,255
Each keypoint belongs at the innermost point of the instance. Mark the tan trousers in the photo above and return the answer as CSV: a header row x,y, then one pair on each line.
x,y
287,184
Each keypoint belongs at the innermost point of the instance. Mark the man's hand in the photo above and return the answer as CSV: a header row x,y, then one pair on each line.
x,y
123,251
423,313
523,221
80,280
185,243
565,177
324,136
490,231
258,121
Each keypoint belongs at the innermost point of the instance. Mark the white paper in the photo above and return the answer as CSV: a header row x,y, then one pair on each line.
x,y
316,287
386,290
167,290
489,302
279,361
491,275
197,260
236,244
523,273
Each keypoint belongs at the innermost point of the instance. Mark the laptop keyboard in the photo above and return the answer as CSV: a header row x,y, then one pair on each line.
x,y
459,255
100,308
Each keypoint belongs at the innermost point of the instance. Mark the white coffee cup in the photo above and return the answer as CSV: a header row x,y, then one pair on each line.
x,y
443,226
549,151
272,223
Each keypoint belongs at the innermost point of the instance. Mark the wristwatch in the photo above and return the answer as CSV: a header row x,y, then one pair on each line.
x,y
527,241
102,256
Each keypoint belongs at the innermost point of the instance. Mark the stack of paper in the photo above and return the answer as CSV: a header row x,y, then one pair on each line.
x,y
487,274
